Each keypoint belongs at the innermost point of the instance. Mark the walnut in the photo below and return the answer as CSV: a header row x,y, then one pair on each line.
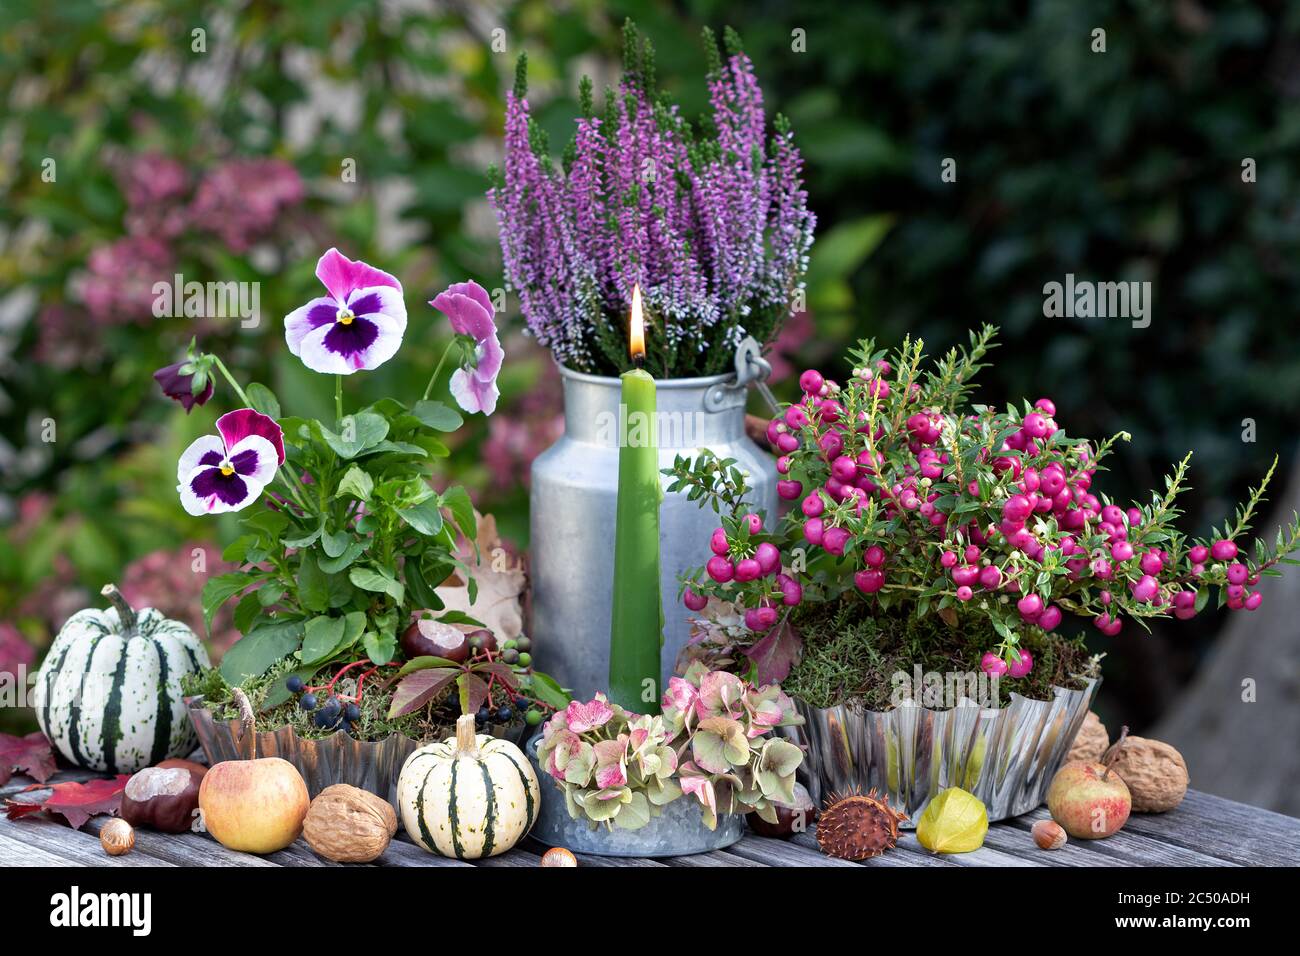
x,y
348,825
1091,741
1155,772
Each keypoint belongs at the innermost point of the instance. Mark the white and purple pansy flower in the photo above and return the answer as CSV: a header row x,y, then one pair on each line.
x,y
228,472
359,325
469,308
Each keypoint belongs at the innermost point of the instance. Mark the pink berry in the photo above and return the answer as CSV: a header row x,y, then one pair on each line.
x,y
965,576
990,577
1101,568
831,444
964,593
1023,665
720,569
1151,563
992,664
783,464
748,569
1185,605
1121,550
948,559
791,590
813,505
1050,619
786,442
874,556
811,382
813,530
796,417
1035,425
760,618
1199,554
834,540
1030,607
753,522
1237,573
1223,550
1017,508
696,602
789,490
768,557
869,581
1046,406
1146,589
718,544
844,468
1253,600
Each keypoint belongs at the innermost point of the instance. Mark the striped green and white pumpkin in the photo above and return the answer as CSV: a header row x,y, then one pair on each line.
x,y
469,796
109,693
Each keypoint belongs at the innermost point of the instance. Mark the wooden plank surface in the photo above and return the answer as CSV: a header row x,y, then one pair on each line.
x,y
1203,831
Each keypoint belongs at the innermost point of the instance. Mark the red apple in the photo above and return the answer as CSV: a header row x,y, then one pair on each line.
x,y
429,638
1089,800
254,806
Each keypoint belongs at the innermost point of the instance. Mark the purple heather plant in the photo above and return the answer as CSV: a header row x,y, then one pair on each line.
x,y
712,223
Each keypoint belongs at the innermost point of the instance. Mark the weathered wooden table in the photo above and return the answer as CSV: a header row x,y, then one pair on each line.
x,y
1203,831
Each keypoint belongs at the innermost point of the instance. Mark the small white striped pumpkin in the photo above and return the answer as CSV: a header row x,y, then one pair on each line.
x,y
109,693
469,796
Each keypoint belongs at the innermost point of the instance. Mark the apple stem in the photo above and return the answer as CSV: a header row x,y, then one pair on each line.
x,y
247,724
1112,754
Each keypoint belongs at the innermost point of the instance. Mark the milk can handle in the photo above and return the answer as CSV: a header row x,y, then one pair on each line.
x,y
751,369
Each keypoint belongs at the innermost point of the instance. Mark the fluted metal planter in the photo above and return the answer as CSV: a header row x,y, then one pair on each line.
x,y
338,758
1005,756
573,496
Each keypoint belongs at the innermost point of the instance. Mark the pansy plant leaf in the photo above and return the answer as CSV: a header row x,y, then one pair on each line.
x,y
436,415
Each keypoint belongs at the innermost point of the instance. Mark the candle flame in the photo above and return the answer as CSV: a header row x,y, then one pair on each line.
x,y
636,334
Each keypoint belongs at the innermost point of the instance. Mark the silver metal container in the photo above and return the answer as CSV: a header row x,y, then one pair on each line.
x,y
1005,756
679,829
574,492
338,758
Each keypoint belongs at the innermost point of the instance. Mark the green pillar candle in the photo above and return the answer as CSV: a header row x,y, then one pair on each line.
x,y
637,624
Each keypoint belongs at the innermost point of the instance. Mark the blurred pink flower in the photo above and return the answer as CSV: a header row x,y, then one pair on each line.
x,y
528,425
14,650
167,579
242,200
156,187
119,286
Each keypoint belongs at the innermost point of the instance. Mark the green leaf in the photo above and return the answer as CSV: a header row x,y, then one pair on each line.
x,y
313,584
252,654
357,483
220,589
263,400
418,587
307,540
436,415
380,648
548,691
424,517
367,429
268,594
323,635
395,447
335,543
334,565
370,579
237,551
247,610
457,500
269,523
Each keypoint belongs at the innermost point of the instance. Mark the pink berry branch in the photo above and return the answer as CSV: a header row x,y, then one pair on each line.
x,y
910,497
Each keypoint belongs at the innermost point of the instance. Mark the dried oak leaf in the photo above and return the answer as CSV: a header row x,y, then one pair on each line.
x,y
30,755
500,584
75,802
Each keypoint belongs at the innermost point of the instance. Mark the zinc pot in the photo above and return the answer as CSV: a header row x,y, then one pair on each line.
x,y
573,496
1006,756
339,758
679,829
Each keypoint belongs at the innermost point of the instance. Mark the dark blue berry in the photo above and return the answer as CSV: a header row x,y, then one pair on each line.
x,y
504,715
483,715
521,703
308,702
352,713
294,683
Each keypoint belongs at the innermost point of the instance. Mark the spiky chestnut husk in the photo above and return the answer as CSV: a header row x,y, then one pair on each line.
x,y
857,826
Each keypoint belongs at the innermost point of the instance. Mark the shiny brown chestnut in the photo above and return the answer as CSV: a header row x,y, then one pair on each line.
x,y
429,638
162,798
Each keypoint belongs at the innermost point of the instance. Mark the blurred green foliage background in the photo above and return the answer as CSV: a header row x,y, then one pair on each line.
x,y
1119,165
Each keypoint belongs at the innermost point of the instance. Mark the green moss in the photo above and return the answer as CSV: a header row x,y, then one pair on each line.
x,y
432,722
851,657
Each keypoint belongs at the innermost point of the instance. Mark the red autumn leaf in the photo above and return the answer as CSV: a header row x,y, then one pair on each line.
x,y
775,654
75,802
30,755
417,689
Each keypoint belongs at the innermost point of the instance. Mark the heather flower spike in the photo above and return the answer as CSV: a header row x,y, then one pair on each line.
x,y
228,472
469,308
359,325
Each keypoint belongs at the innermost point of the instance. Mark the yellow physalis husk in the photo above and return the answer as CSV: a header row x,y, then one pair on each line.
x,y
954,822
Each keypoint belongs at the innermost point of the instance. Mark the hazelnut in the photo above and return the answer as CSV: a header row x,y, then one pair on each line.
x,y
558,856
116,837
1155,772
1049,835
1091,741
346,824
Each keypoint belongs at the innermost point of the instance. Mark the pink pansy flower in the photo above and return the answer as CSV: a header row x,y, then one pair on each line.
x,y
469,308
680,694
359,325
584,717
227,473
